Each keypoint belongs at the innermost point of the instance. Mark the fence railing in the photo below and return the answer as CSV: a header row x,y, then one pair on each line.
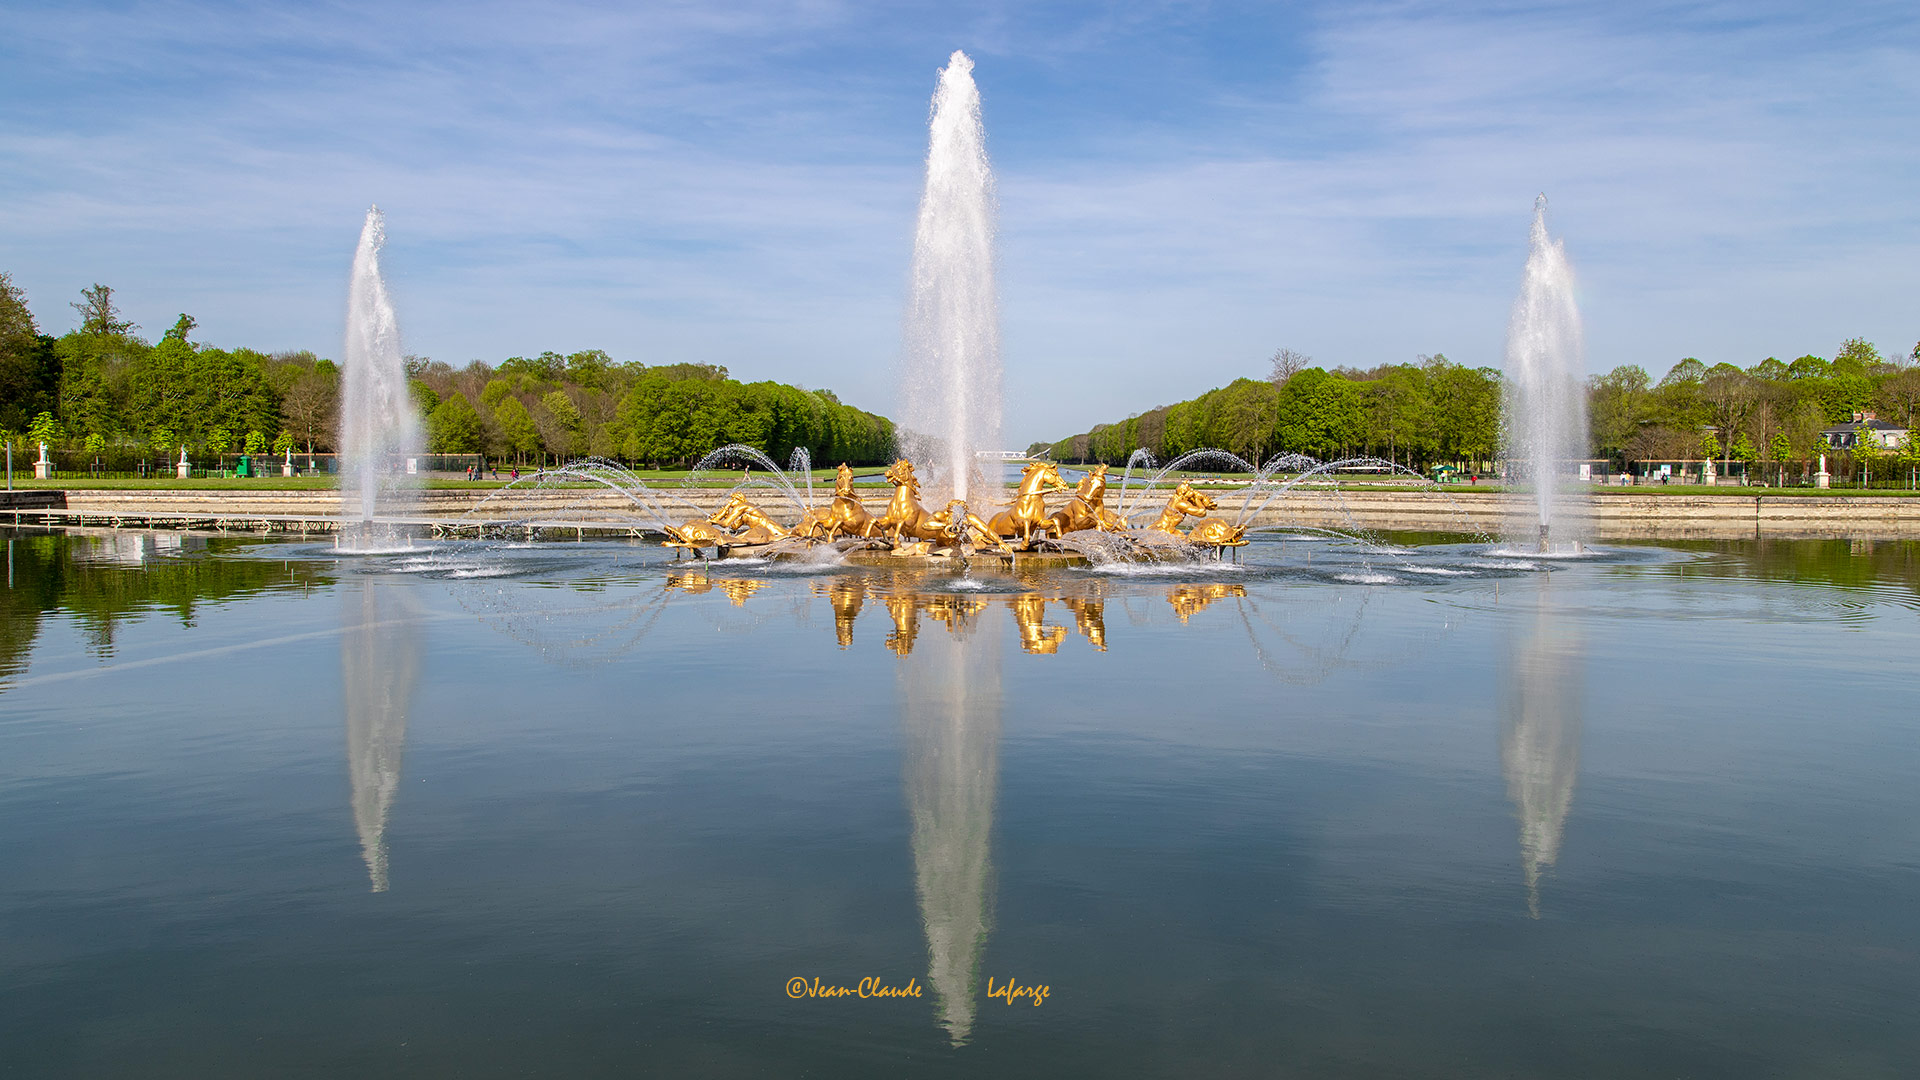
x,y
137,465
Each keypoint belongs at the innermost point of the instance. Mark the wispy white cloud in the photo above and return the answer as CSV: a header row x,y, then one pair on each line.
x,y
1184,187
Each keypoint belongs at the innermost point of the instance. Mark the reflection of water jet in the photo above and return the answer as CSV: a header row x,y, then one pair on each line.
x,y
379,660
950,694
1540,746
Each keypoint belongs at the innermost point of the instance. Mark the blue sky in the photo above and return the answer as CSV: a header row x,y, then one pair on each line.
x,y
1184,187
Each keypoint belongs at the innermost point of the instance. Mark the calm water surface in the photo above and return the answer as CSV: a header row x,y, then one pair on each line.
x,y
578,810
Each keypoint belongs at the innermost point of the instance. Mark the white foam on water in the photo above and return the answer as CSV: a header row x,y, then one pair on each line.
x,y
407,550
1563,554
1368,578
1167,569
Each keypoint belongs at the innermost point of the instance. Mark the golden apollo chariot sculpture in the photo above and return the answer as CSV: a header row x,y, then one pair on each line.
x,y
906,528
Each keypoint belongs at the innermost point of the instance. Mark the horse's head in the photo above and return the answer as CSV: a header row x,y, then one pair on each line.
x,y
1092,485
900,473
843,480
1042,476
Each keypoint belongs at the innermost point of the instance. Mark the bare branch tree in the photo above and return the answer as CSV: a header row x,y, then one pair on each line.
x,y
98,315
1287,364
310,408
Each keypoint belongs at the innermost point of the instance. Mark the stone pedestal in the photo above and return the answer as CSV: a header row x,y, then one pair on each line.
x,y
43,469
183,470
286,467
1823,478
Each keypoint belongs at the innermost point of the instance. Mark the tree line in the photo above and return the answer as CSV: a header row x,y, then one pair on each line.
x,y
1434,412
1414,414
104,391
1769,414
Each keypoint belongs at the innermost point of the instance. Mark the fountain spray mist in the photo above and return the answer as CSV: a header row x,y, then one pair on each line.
x,y
1546,407
377,424
951,391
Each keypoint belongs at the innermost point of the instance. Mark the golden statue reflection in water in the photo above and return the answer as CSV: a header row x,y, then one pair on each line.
x,y
697,581
909,596
1191,600
379,665
1540,745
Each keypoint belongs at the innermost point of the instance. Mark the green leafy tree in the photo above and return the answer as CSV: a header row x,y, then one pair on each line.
x,y
256,442
30,365
1743,450
1869,452
517,428
218,441
589,368
1857,356
46,429
1780,451
562,430
163,385
1317,413
454,427
283,442
1616,404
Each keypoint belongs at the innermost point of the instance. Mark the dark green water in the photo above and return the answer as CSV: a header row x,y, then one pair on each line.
x,y
575,810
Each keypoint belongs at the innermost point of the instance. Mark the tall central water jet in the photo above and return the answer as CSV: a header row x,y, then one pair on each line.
x,y
951,393
1546,406
378,429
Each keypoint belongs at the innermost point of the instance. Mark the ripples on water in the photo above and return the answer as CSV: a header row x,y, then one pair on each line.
x,y
1341,808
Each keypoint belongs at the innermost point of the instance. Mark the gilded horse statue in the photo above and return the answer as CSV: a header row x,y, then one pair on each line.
x,y
905,516
1212,532
759,528
844,516
1028,514
1087,509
